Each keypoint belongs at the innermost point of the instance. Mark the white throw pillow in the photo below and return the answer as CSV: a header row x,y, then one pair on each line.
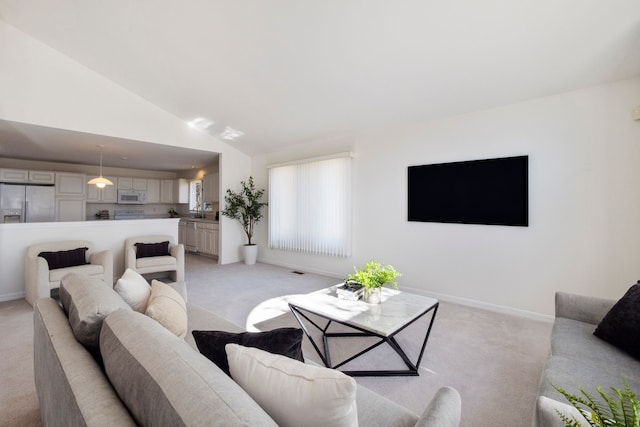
x,y
294,393
134,289
168,308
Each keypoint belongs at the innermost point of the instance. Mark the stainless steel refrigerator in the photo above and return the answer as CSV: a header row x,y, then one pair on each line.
x,y
27,203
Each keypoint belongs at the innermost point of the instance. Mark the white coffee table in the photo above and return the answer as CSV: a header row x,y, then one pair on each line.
x,y
385,320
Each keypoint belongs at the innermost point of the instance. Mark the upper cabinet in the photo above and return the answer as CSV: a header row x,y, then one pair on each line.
x,y
181,191
153,191
211,188
71,184
26,176
166,191
140,184
125,183
107,194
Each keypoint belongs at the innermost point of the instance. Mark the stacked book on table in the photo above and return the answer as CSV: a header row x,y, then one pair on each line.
x,y
350,291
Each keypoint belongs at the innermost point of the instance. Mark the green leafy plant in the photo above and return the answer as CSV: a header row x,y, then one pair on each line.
x,y
619,409
374,275
245,206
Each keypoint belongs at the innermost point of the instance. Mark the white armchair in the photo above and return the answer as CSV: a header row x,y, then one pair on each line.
x,y
40,280
172,263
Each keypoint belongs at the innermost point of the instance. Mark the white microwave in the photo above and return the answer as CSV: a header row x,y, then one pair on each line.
x,y
131,197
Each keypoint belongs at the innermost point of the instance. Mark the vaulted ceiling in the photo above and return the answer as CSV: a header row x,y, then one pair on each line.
x,y
289,71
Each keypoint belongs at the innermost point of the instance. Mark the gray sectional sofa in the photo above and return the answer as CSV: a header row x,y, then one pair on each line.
x,y
578,358
152,377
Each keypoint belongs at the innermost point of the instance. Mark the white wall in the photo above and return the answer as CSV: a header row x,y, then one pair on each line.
x,y
41,86
14,239
584,199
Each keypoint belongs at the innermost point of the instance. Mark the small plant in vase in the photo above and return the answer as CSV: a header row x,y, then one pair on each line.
x,y
246,206
372,277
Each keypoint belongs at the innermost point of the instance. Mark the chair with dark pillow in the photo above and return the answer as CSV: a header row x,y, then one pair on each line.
x,y
155,254
47,263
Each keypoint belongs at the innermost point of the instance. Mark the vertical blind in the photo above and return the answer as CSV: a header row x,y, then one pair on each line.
x,y
310,206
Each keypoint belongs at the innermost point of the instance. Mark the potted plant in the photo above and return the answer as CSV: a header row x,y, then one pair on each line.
x,y
246,207
619,409
372,277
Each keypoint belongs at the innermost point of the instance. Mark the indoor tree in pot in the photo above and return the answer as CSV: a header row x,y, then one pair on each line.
x,y
372,277
246,207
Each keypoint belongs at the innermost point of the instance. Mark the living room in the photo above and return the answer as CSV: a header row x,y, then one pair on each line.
x,y
577,129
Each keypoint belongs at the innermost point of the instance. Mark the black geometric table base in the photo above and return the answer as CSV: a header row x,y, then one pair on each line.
x,y
412,368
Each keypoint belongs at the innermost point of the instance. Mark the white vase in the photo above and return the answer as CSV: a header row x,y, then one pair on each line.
x,y
373,295
250,254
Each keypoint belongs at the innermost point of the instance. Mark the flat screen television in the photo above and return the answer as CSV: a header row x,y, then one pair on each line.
x,y
490,191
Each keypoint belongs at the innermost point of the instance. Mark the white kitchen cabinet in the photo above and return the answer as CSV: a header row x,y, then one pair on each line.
x,y
108,194
211,188
125,183
166,191
27,176
153,191
140,184
71,184
180,191
206,238
70,209
42,177
14,175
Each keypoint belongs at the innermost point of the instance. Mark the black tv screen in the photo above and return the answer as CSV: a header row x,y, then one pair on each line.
x,y
490,191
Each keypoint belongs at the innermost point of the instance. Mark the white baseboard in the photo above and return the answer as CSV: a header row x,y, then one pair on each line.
x,y
484,305
11,297
442,297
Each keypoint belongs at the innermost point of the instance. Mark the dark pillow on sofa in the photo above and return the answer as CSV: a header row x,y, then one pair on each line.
x,y
621,325
283,341
62,259
145,250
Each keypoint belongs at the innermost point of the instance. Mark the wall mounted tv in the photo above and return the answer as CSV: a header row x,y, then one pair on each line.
x,y
490,191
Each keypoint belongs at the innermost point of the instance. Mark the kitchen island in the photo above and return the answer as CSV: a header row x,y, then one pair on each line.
x,y
14,239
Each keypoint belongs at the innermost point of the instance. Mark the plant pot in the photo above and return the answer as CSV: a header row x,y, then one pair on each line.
x,y
250,254
373,295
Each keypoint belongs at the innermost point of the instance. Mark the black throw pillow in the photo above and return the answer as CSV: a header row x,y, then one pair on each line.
x,y
62,259
283,341
621,325
145,250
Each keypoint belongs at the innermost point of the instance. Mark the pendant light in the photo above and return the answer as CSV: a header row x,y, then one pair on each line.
x,y
100,181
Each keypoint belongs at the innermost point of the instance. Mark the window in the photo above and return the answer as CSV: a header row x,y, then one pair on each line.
x,y
195,196
310,206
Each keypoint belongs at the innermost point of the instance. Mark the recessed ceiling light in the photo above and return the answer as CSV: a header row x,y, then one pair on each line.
x,y
230,134
123,158
201,123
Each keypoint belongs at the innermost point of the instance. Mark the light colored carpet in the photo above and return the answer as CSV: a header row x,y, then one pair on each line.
x,y
494,360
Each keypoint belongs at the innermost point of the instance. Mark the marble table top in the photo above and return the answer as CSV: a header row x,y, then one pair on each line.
x,y
395,311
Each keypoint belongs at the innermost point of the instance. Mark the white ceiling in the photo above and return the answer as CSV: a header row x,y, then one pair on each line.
x,y
289,71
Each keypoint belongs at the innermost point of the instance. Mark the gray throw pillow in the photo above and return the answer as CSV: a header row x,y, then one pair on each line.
x,y
87,301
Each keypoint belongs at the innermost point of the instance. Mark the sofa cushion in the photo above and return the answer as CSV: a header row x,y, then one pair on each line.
x,y
55,276
158,261
87,301
547,413
134,289
292,392
164,381
144,250
284,341
621,325
575,340
168,308
62,259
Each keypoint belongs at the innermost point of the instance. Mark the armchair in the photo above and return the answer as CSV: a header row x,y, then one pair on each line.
x,y
40,279
172,262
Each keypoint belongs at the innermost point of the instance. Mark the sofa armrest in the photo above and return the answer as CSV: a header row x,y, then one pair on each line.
x,y
177,251
36,279
105,259
582,308
444,410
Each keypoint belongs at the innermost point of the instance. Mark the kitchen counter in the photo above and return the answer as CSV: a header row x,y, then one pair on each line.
x,y
190,219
